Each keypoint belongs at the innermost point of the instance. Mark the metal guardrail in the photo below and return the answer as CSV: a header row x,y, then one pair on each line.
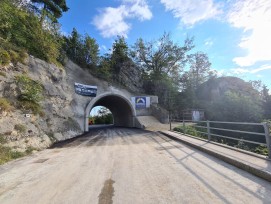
x,y
210,126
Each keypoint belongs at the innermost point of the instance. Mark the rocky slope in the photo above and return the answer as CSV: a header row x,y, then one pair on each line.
x,y
62,114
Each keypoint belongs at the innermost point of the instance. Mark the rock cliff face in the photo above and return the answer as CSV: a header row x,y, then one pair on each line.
x,y
216,88
130,76
63,110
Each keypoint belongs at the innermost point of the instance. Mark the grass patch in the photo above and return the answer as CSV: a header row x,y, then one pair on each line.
x,y
190,130
2,139
20,128
29,150
31,106
7,154
30,94
5,105
30,90
4,57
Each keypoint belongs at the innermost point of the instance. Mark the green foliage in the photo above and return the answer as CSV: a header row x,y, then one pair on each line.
x,y
104,71
235,107
30,94
266,100
35,108
104,116
82,50
20,128
30,90
7,154
119,54
15,54
162,57
21,30
190,130
4,57
30,149
2,139
51,9
90,52
162,62
105,119
5,105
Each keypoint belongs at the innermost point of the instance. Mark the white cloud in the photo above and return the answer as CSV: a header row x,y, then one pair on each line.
x,y
113,21
251,71
208,42
192,11
253,16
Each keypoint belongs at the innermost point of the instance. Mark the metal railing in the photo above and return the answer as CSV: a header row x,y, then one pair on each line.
x,y
213,130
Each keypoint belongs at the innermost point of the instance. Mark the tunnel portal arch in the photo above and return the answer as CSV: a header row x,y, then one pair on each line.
x,y
121,108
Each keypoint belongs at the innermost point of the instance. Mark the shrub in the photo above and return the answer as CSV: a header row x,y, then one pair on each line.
x,y
35,108
6,154
5,105
30,149
190,130
30,94
30,89
20,128
2,139
14,56
261,149
4,57
23,30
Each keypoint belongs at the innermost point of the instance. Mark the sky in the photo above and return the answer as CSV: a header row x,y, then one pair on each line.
x,y
236,34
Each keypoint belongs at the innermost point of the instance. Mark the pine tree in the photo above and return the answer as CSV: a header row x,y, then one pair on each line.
x,y
52,9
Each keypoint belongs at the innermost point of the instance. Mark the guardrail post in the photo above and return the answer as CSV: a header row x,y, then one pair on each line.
x,y
184,127
208,130
267,137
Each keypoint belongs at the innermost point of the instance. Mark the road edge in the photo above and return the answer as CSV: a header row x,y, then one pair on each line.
x,y
255,171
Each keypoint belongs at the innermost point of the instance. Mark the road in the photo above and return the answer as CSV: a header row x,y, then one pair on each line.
x,y
127,166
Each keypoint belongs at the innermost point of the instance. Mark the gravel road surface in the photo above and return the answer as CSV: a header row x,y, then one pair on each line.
x,y
126,166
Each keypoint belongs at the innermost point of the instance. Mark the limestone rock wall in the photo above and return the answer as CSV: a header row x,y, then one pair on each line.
x,y
64,111
130,76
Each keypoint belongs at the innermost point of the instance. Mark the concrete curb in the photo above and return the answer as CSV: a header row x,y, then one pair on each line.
x,y
251,169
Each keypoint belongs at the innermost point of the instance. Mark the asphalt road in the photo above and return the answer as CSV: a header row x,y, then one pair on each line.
x,y
127,166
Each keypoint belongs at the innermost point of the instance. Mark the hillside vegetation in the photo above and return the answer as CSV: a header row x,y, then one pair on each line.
x,y
181,78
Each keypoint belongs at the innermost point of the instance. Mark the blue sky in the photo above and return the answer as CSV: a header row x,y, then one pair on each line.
x,y
236,34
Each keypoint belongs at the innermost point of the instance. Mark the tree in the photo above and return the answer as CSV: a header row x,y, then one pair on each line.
x,y
162,61
119,54
104,69
199,68
266,102
104,116
21,30
82,50
52,9
198,73
235,107
161,57
73,45
90,52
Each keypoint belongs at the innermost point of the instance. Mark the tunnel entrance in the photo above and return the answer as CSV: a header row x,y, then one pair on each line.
x,y
121,108
100,115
